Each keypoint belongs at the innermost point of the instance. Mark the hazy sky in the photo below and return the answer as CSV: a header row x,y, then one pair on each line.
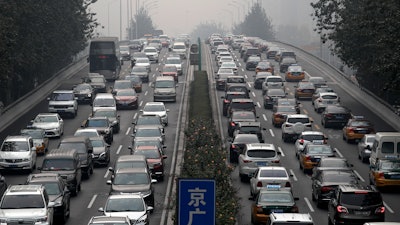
x,y
181,16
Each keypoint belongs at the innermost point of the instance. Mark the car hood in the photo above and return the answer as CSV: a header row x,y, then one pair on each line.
x,y
125,98
22,213
45,125
131,188
14,155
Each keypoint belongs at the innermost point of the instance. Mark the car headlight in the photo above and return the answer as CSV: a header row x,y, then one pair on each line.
x,y
26,160
89,95
141,221
146,193
102,155
42,219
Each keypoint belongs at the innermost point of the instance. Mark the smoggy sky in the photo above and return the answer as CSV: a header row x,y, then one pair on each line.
x,y
181,16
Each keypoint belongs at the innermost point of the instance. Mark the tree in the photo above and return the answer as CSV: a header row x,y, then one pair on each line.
x,y
141,24
256,24
204,30
365,36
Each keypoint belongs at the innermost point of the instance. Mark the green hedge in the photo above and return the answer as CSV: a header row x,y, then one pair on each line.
x,y
204,156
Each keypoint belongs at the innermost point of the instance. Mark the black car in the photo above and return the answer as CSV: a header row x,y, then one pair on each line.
x,y
239,87
335,116
285,63
259,79
112,116
326,181
356,204
102,125
57,191
228,98
238,143
250,128
101,151
97,81
84,92
239,116
252,62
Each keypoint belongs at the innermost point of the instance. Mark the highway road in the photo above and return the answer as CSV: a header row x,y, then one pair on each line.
x,y
95,191
301,183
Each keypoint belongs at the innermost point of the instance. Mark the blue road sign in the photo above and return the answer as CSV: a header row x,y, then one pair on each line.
x,y
196,202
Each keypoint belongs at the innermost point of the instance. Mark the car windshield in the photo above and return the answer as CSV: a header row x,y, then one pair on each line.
x,y
124,48
142,60
242,116
261,153
97,123
361,198
34,133
242,105
130,164
276,92
286,109
169,69
15,146
148,132
127,92
133,78
246,139
131,178
58,164
52,188
122,85
124,205
313,137
273,173
22,201
78,146
149,154
273,79
390,165
150,50
139,69
237,88
82,87
164,84
250,129
173,61
86,133
232,96
97,143
96,80
275,198
62,97
360,123
153,108
146,120
179,47
235,80
45,119
298,120
319,149
154,142
333,163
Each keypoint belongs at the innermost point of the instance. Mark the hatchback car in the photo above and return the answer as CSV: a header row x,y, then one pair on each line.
x,y
51,123
356,204
141,71
133,180
324,99
256,155
239,116
312,154
294,125
335,116
316,137
269,175
250,128
272,82
238,143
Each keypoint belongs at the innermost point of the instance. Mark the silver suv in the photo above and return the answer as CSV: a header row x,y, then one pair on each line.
x,y
18,153
63,102
26,204
164,89
294,125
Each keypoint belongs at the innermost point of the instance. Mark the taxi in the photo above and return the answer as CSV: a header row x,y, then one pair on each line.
x,y
304,89
294,73
265,66
272,199
356,128
312,153
385,173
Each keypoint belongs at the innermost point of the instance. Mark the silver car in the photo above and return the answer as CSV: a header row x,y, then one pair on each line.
x,y
52,123
294,125
256,155
305,137
364,147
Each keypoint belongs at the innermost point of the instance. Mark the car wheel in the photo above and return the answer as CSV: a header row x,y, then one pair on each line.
x,y
231,157
329,221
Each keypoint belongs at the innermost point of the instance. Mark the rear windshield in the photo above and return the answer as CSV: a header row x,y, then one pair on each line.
x,y
261,153
298,120
243,105
361,198
273,173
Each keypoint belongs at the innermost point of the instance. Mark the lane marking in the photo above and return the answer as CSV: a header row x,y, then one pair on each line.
x,y
254,95
246,76
359,176
128,131
309,204
265,117
305,111
280,150
145,93
258,104
337,151
119,149
249,84
294,176
135,115
141,103
106,175
92,201
271,132
388,208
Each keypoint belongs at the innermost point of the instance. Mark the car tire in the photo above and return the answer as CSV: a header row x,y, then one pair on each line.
x,y
231,157
329,221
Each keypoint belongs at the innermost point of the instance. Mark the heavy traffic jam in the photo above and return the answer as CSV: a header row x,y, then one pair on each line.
x,y
300,151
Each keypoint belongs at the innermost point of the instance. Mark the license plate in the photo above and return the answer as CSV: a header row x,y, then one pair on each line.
x,y
395,177
329,102
361,213
362,131
60,110
277,210
261,164
306,91
12,165
339,117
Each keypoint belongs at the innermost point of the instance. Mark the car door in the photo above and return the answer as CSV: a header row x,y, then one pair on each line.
x,y
253,181
32,152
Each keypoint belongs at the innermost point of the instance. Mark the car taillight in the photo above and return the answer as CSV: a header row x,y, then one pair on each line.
x,y
226,101
380,209
288,125
307,158
328,115
295,209
247,161
381,175
157,165
301,141
233,124
350,130
326,189
259,209
233,146
288,184
341,209
275,161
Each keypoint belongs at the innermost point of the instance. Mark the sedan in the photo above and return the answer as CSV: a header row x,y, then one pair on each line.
x,y
356,128
170,71
142,62
309,136
52,123
112,116
148,131
142,72
155,159
127,99
312,154
103,127
230,65
101,151
156,108
385,173
269,175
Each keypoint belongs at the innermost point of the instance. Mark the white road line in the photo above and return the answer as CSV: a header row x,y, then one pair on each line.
x,y
252,93
280,150
240,65
337,151
271,132
141,103
309,204
92,201
146,92
294,175
249,84
106,175
134,116
258,104
359,176
245,76
265,117
305,111
128,131
388,208
119,149
307,74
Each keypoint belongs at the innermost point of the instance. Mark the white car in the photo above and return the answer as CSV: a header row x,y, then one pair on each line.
x,y
51,123
272,82
294,125
175,61
87,132
309,136
18,153
325,98
230,65
145,62
156,108
256,155
225,59
151,53
269,175
129,205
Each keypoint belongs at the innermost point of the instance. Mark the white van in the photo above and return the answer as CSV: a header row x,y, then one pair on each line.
x,y
104,101
180,49
385,146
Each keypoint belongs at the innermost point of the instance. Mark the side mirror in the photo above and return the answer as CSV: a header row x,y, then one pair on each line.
x,y
111,169
101,209
153,181
109,182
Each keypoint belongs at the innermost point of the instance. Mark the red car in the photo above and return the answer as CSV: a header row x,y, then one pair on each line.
x,y
127,99
170,71
155,159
